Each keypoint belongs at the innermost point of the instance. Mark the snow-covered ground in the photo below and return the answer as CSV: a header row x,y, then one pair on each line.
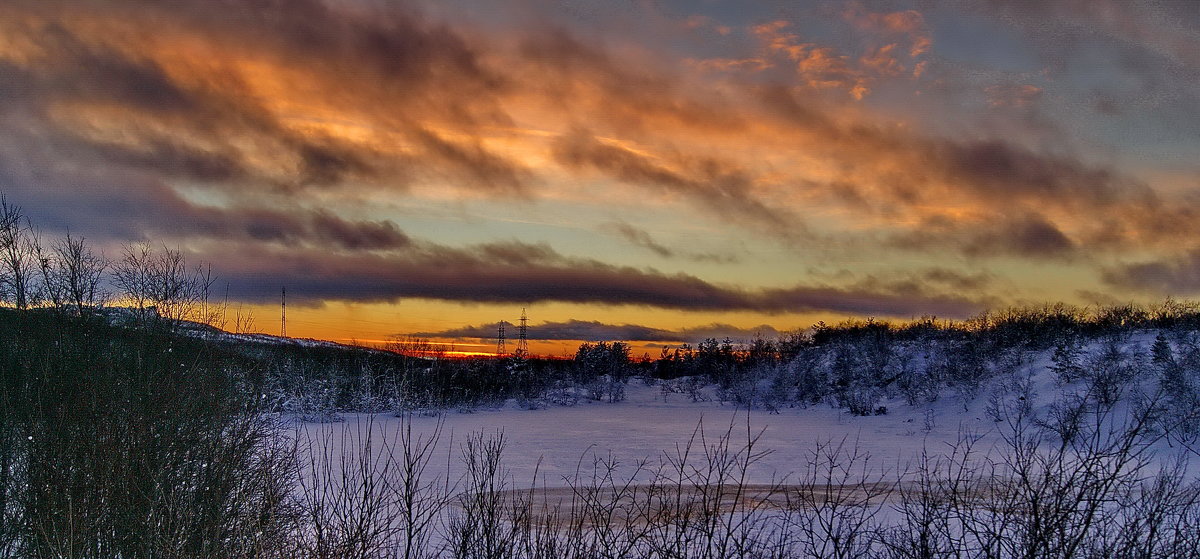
x,y
554,442
560,441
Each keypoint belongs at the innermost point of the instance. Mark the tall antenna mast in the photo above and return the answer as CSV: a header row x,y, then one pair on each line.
x,y
501,346
522,342
283,313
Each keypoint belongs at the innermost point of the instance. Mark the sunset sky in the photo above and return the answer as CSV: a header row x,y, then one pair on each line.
x,y
651,170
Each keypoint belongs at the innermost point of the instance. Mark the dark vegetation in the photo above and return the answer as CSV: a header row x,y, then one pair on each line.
x,y
130,443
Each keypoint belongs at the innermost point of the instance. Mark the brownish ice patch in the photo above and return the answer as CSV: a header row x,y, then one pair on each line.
x,y
586,506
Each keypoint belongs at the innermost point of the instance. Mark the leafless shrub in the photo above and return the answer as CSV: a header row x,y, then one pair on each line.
x,y
834,505
482,526
366,493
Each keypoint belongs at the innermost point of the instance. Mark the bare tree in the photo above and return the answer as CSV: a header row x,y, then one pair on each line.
x,y
72,274
211,314
243,321
159,282
18,248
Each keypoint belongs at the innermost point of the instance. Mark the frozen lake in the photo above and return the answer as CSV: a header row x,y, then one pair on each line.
x,y
558,441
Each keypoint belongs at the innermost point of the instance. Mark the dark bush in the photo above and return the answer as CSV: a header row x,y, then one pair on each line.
x,y
132,443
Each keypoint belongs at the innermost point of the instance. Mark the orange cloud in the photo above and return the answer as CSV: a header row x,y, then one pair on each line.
x,y
313,99
825,67
818,67
908,25
883,61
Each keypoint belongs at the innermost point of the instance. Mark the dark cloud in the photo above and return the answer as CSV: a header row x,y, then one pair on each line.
x,y
516,253
956,280
570,330
101,74
329,161
998,170
118,207
507,272
171,159
73,72
478,165
520,274
595,331
313,228
721,331
357,234
1026,236
387,42
1177,276
917,283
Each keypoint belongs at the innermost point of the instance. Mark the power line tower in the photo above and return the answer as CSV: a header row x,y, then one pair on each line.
x,y
501,346
283,313
522,341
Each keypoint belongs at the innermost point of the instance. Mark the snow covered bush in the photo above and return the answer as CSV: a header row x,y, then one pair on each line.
x,y
1111,370
1067,360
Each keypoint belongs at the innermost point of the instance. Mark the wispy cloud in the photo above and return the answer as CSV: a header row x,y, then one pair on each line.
x,y
642,238
718,186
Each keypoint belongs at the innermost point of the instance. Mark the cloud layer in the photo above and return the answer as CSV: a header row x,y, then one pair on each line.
x,y
595,331
520,273
272,139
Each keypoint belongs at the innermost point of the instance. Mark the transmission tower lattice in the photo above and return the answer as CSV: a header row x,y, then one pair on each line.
x,y
522,342
501,346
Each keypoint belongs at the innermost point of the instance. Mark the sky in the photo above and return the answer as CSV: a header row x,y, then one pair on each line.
x,y
647,170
